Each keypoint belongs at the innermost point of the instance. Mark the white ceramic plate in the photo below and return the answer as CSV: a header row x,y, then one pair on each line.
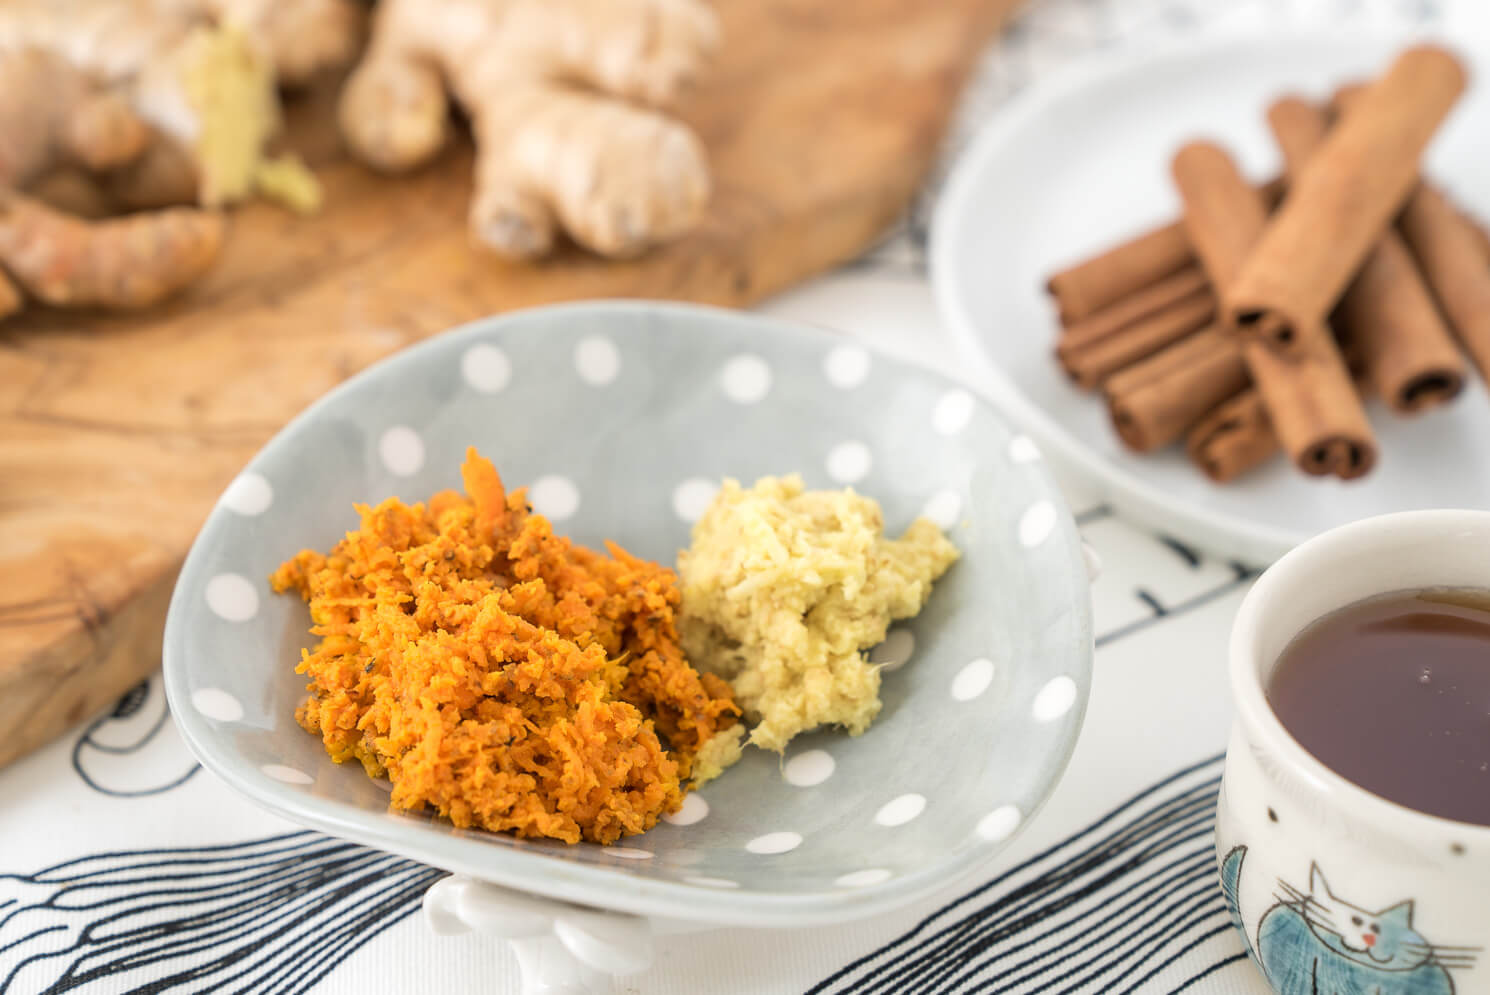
x,y
1083,161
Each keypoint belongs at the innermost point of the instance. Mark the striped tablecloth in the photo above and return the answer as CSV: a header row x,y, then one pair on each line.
x,y
125,869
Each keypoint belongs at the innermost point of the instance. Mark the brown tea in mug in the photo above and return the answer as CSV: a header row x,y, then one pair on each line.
x,y
1393,693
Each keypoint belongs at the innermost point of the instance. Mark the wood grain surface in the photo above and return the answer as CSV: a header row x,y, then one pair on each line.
x,y
117,433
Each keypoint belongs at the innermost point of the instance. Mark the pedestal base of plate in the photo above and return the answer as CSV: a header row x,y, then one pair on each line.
x,y
562,949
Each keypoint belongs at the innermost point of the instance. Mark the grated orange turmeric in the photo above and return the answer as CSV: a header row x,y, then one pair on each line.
x,y
498,674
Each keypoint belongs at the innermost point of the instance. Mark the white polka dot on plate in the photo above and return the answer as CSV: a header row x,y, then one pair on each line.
x,y
691,498
216,703
1036,524
248,494
953,411
846,366
895,650
773,843
1054,699
597,360
1022,449
556,498
289,775
232,597
863,879
944,508
973,679
899,811
808,769
694,809
999,824
713,882
745,379
849,462
402,451
627,852
486,368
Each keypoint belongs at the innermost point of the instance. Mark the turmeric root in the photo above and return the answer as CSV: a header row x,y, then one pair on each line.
x,y
183,88
618,178
126,262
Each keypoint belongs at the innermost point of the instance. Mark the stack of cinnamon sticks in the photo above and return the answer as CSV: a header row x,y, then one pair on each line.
x,y
1258,321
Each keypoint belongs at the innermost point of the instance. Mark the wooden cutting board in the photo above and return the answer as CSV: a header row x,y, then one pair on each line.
x,y
118,433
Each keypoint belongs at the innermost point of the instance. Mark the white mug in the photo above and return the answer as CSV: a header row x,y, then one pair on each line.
x,y
1337,890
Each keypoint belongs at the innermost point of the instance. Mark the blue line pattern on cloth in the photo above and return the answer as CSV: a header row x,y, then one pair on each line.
x,y
1102,911
88,747
271,915
276,914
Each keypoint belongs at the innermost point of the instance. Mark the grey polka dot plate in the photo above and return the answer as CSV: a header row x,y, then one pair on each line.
x,y
621,418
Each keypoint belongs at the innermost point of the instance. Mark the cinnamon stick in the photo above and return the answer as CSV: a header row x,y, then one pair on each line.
x,y
1310,400
1154,402
1170,290
1223,215
1405,352
1094,362
1342,200
1477,229
1314,408
1125,269
1447,251
1092,285
1233,438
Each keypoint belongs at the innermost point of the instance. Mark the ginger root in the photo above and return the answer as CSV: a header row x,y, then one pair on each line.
x,y
214,94
72,190
50,115
130,104
116,263
286,179
551,88
11,300
169,101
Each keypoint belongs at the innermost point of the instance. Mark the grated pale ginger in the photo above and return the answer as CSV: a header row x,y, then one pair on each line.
x,y
783,590
501,675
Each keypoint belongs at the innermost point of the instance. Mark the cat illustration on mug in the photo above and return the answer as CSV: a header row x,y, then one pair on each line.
x,y
1317,943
